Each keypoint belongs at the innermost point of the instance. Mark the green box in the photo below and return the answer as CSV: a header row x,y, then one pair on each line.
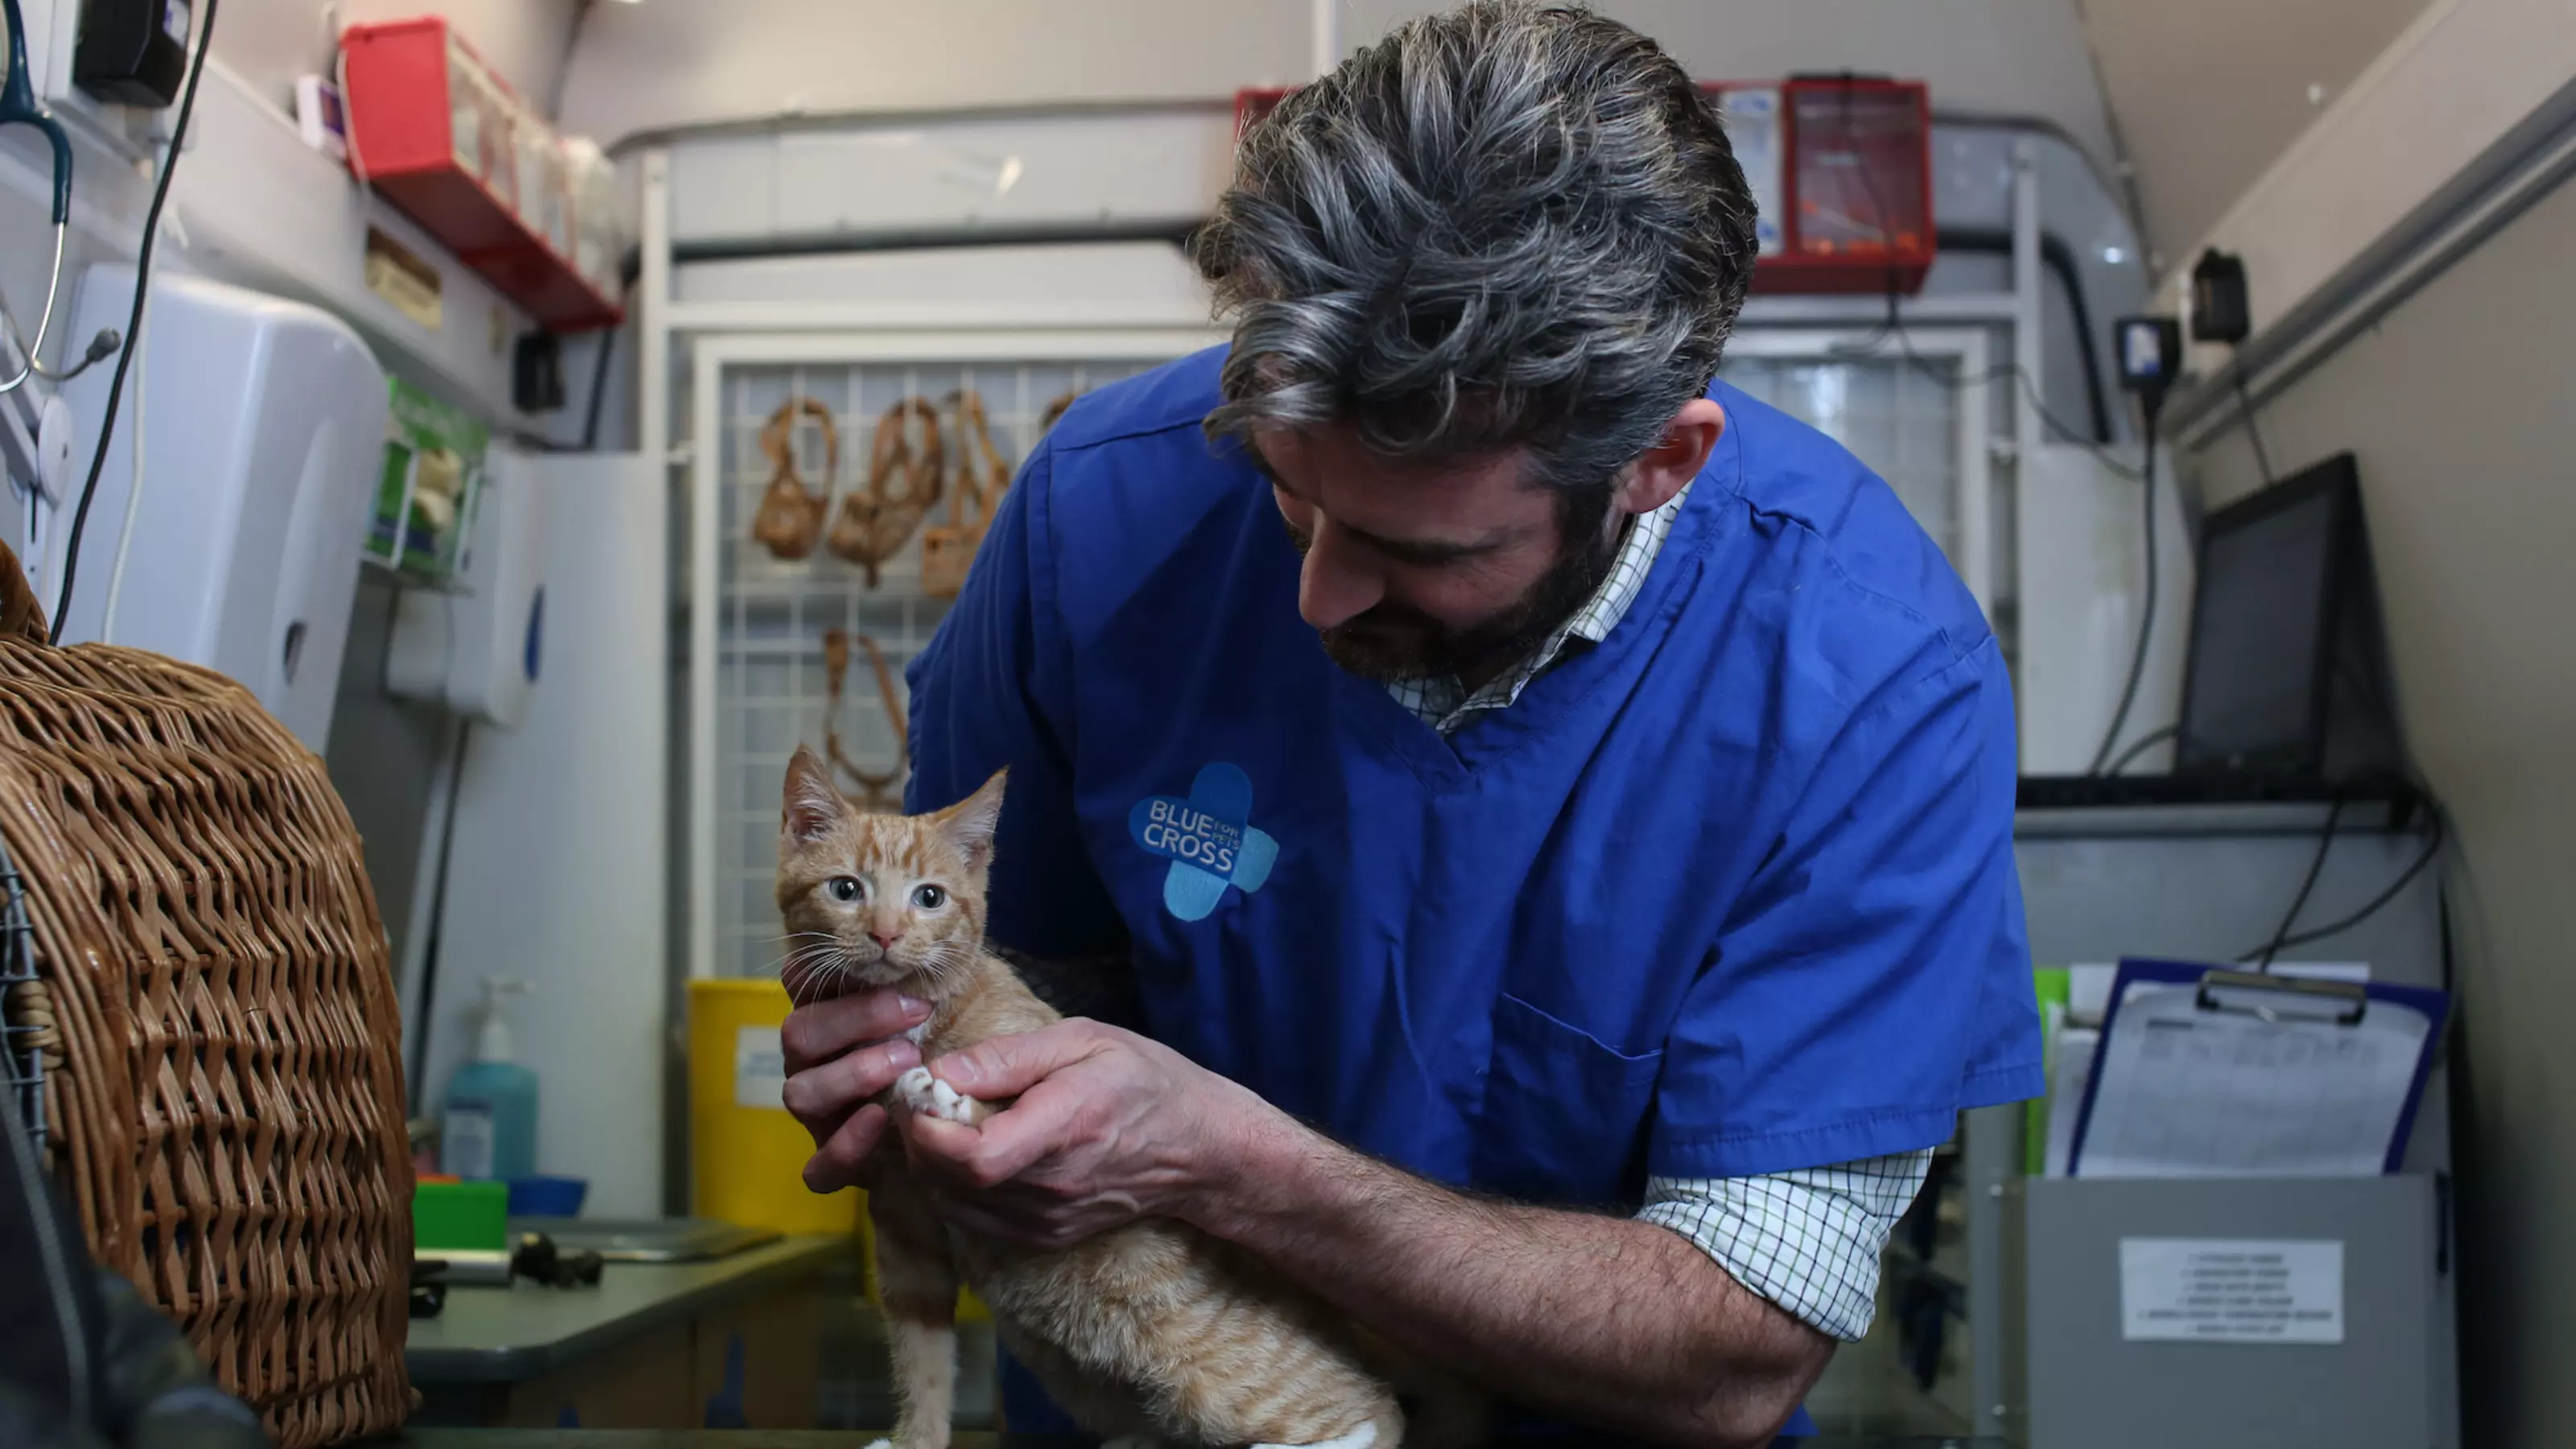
x,y
460,1216
430,484
2052,984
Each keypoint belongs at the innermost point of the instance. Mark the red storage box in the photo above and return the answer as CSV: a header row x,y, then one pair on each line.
x,y
1840,167
436,132
1253,103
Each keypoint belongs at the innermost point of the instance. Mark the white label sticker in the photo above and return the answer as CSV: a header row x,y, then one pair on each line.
x,y
2230,1290
465,1142
175,21
759,1068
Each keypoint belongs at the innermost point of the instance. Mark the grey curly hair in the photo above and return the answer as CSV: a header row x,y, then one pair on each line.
x,y
1504,225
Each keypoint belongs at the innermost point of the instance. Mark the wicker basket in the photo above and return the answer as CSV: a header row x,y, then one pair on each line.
x,y
224,1105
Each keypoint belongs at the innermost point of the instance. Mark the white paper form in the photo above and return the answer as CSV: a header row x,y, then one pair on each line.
x,y
2188,1091
2077,1039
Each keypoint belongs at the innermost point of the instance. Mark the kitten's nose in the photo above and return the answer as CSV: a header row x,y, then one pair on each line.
x,y
884,939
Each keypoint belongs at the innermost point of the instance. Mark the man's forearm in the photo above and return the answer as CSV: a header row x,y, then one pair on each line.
x,y
1604,1320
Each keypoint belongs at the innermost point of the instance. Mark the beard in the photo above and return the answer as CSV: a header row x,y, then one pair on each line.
x,y
1396,641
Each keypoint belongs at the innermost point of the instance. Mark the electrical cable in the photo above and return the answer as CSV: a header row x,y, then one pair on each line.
x,y
598,390
630,269
2450,964
2141,745
2147,611
2059,259
2299,902
134,480
1957,381
2253,434
2373,906
435,909
142,287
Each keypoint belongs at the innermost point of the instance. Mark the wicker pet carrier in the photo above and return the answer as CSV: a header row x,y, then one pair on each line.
x,y
214,1016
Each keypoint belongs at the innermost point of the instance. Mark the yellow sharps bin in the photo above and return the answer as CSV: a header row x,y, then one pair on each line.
x,y
747,1155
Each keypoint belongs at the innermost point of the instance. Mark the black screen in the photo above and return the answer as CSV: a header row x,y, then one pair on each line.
x,y
2257,634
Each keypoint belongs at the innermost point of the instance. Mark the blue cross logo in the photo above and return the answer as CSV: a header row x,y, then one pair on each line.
x,y
1208,838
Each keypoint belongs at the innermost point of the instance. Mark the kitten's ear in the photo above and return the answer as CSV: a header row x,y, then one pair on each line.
x,y
812,804
969,824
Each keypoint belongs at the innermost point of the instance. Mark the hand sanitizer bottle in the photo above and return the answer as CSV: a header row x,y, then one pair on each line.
x,y
488,1130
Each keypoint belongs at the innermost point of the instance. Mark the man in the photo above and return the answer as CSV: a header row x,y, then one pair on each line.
x,y
1548,818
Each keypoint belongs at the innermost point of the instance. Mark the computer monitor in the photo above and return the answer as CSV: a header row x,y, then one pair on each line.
x,y
2286,670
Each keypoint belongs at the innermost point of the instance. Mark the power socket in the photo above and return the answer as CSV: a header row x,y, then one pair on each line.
x,y
2220,311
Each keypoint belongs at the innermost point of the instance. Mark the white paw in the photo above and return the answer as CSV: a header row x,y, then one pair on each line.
x,y
880,1444
1360,1438
931,1097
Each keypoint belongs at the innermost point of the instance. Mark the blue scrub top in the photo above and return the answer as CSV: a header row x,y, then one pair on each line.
x,y
1730,893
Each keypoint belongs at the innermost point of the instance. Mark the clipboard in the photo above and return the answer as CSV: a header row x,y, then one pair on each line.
x,y
2304,1095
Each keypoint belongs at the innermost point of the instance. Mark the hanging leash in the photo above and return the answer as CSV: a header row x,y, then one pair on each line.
x,y
948,552
877,792
790,519
874,523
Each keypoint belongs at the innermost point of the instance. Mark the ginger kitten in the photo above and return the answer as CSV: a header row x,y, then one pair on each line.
x,y
1154,1331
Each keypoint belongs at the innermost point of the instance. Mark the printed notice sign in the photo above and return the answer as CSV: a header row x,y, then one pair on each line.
x,y
396,273
2229,1290
759,1068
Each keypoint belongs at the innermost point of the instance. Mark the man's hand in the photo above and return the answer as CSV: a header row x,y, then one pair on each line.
x,y
1108,1127
840,1054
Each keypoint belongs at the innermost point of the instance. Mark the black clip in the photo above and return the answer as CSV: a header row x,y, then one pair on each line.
x,y
2348,1000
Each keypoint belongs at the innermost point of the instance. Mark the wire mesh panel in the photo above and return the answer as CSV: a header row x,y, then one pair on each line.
x,y
776,615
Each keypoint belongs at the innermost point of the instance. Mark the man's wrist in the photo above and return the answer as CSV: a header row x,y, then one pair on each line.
x,y
1254,1157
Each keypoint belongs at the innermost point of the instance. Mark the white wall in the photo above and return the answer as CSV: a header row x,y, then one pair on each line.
x,y
2225,160
660,64
556,875
2209,92
656,65
2456,405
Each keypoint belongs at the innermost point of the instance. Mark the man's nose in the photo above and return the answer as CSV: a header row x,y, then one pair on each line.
x,y
1336,585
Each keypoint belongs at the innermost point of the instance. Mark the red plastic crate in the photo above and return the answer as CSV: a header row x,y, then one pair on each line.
x,y
1857,188
463,189
1253,103
1847,207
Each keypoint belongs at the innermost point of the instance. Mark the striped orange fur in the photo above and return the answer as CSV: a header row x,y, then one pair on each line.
x,y
1154,1330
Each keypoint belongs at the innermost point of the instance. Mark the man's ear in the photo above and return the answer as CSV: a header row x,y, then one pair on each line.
x,y
1667,468
811,804
969,824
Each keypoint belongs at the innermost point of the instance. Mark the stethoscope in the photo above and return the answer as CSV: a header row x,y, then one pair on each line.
x,y
19,106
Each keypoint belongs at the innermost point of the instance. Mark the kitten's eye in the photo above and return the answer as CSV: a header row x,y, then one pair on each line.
x,y
930,897
844,889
